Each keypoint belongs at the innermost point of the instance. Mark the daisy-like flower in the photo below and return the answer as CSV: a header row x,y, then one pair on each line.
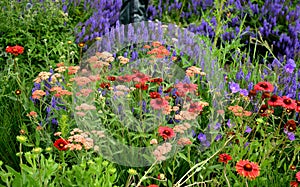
x,y
247,169
166,132
140,77
288,103
159,103
153,185
61,144
275,101
264,86
224,158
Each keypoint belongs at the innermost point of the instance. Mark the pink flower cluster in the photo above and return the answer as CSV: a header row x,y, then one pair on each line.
x,y
161,151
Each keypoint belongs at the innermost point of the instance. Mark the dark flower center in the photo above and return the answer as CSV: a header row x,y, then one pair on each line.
x,y
274,98
186,86
287,101
159,101
248,167
167,132
291,128
61,145
264,85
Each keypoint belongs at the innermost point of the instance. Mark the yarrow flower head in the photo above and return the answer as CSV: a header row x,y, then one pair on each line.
x,y
247,169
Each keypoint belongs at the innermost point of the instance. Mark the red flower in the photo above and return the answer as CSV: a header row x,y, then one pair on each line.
x,y
224,158
290,126
105,85
154,95
288,103
125,78
166,132
111,78
294,184
264,86
142,86
247,169
275,101
15,50
157,80
60,144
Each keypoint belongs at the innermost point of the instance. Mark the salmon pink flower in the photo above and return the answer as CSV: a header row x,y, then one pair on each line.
x,y
159,103
247,169
185,87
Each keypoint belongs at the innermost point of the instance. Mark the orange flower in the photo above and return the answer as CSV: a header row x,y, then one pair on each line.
x,y
37,94
247,169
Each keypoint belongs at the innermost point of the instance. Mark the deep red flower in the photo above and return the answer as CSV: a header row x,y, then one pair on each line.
x,y
252,93
142,86
266,95
275,101
288,103
224,158
156,80
166,132
247,169
60,144
111,78
264,86
15,50
290,125
154,95
168,90
105,85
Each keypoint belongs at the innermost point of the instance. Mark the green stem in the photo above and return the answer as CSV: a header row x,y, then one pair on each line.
x,y
227,181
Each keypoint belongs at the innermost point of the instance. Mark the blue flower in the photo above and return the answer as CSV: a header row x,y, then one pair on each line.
x,y
218,137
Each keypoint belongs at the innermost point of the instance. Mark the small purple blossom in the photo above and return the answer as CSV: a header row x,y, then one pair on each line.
x,y
248,129
234,87
290,66
229,124
201,137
